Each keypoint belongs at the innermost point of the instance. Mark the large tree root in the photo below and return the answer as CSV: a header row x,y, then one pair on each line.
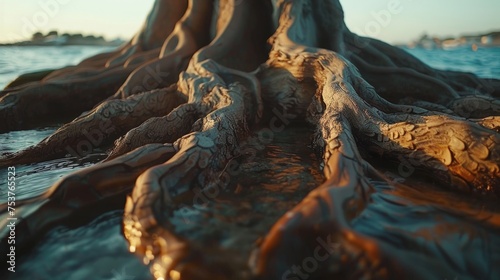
x,y
99,127
48,103
445,124
189,35
342,117
82,193
165,129
345,194
201,156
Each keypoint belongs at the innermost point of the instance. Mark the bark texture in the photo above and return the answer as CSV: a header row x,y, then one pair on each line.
x,y
182,96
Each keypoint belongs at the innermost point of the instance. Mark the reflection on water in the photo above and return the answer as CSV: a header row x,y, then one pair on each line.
x,y
265,187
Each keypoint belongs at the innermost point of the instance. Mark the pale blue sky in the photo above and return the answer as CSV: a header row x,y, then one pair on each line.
x,y
435,17
122,18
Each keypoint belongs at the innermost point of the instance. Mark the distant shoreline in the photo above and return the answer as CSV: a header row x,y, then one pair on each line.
x,y
53,38
61,45
488,40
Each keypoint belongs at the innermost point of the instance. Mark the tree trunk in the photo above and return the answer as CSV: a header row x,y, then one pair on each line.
x,y
201,79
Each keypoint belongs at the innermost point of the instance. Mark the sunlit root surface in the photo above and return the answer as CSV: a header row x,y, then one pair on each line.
x,y
195,104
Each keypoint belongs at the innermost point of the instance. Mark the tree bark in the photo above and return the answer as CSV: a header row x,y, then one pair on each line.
x,y
217,78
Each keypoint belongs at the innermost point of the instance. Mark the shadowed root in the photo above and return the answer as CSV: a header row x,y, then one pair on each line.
x,y
41,104
85,193
99,127
191,33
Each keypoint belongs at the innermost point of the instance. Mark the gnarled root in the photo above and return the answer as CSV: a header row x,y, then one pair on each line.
x,y
99,127
445,126
87,193
321,222
42,104
220,93
189,35
164,129
399,77
346,110
200,156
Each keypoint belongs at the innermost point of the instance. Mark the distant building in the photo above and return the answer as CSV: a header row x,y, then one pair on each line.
x,y
450,43
491,39
38,36
426,42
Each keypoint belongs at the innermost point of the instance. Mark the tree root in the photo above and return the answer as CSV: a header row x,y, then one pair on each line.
x,y
397,75
99,127
82,193
447,127
165,129
201,156
338,111
187,37
42,105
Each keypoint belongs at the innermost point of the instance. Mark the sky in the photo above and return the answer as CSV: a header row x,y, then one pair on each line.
x,y
394,21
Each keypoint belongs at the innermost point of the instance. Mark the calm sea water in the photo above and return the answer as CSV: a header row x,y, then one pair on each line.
x,y
99,251
18,60
485,62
